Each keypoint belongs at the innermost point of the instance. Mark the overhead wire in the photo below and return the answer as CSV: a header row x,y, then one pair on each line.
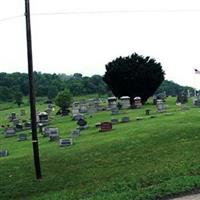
x,y
105,12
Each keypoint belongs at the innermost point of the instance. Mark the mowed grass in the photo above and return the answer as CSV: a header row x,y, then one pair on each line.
x,y
153,158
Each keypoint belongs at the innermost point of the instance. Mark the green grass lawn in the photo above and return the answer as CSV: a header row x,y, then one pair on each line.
x,y
141,160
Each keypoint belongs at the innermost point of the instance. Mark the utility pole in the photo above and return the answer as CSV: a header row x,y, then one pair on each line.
x,y
32,92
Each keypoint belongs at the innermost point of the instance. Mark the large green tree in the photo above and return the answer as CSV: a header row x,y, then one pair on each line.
x,y
133,76
63,99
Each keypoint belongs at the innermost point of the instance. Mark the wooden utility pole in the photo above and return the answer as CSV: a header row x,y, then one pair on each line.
x,y
32,92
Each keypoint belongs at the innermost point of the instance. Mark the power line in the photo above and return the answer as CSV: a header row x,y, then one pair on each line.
x,y
118,12
11,18
106,12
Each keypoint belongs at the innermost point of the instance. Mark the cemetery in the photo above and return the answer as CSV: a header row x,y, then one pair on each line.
x,y
106,144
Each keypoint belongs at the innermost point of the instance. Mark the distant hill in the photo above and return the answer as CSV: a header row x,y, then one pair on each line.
x,y
171,88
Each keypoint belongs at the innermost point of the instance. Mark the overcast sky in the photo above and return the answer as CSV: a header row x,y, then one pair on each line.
x,y
84,43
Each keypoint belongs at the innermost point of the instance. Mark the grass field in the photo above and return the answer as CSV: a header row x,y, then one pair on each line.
x,y
153,158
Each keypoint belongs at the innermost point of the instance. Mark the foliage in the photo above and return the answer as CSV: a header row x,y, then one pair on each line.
x,y
63,99
48,85
18,97
133,76
173,89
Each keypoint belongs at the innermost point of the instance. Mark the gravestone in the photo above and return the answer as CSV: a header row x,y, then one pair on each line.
x,y
160,105
43,118
97,105
65,142
19,127
125,119
82,124
83,108
22,137
115,110
46,131
3,153
10,132
27,125
112,101
78,117
114,121
53,134
13,116
75,133
105,126
75,108
137,102
125,102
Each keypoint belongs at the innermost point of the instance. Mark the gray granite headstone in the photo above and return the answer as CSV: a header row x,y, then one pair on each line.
x,y
10,132
114,121
22,137
65,142
53,134
125,119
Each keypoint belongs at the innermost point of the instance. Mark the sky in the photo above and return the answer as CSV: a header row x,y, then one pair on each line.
x,y
79,42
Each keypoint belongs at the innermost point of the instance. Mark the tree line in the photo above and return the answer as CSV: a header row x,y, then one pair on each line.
x,y
15,85
48,85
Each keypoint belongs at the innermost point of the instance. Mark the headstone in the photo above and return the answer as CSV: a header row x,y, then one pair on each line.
x,y
160,105
114,121
53,134
46,131
125,119
97,105
27,125
22,137
65,142
112,101
10,132
78,117
19,127
43,118
115,110
83,108
106,126
125,102
137,102
82,124
3,153
75,133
